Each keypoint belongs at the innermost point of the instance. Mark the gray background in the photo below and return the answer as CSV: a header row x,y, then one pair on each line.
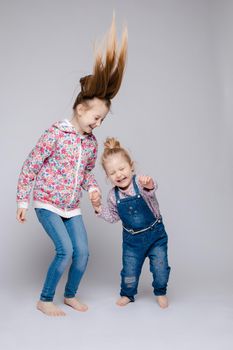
x,y
174,114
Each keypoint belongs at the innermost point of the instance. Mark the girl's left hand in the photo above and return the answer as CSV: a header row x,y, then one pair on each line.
x,y
146,182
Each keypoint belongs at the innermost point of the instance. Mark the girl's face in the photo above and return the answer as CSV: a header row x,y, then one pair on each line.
x,y
119,170
88,118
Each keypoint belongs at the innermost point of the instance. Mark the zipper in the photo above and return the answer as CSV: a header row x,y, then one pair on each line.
x,y
77,170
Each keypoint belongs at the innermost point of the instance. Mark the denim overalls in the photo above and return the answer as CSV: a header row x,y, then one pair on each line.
x,y
144,236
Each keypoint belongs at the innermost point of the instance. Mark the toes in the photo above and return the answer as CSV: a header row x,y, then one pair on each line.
x,y
77,305
163,302
123,301
81,307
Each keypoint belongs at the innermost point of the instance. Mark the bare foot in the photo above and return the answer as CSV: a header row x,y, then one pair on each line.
x,y
75,304
162,301
49,308
123,301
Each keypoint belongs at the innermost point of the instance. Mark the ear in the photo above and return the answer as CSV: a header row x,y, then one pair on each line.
x,y
79,109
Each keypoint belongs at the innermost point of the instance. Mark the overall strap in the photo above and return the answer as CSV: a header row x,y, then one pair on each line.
x,y
136,189
117,193
135,185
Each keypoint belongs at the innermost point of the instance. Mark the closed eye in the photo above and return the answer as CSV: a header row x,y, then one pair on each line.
x,y
99,118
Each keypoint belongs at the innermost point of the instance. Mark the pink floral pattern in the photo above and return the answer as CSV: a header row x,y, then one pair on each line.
x,y
60,166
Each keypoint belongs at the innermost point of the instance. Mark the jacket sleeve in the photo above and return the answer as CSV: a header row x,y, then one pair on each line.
x,y
89,182
32,166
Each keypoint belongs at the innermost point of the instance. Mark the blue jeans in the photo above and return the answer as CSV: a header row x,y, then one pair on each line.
x,y
70,241
152,244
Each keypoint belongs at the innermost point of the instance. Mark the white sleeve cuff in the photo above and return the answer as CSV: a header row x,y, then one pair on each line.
x,y
23,205
92,189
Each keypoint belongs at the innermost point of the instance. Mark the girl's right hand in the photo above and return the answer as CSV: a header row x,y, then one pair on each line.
x,y
95,197
146,182
21,215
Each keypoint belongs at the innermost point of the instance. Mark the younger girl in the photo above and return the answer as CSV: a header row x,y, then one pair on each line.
x,y
132,200
61,164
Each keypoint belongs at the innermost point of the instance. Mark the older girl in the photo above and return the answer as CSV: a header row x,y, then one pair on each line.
x,y
60,165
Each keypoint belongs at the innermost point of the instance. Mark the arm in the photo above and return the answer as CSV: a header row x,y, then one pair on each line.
x,y
109,213
147,185
89,183
32,166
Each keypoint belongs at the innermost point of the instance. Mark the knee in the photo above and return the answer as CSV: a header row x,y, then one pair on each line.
x,y
81,252
65,253
159,267
162,274
160,262
130,281
81,258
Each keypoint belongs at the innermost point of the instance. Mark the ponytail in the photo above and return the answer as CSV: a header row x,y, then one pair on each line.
x,y
105,81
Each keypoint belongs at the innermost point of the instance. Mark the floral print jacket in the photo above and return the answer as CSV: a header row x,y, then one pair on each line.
x,y
61,164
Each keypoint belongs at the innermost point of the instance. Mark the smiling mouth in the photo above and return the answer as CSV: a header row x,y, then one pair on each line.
x,y
120,184
119,181
90,127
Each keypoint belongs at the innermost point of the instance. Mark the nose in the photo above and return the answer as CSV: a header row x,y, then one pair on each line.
x,y
98,122
118,175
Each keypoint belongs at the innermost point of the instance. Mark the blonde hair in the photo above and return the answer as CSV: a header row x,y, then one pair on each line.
x,y
112,147
105,81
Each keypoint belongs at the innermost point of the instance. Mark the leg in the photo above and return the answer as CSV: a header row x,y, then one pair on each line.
x,y
132,259
55,228
78,237
160,269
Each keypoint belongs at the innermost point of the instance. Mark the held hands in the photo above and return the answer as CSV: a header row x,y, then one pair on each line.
x,y
95,197
21,215
146,182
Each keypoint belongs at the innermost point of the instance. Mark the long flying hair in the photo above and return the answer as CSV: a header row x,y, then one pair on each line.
x,y
108,70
